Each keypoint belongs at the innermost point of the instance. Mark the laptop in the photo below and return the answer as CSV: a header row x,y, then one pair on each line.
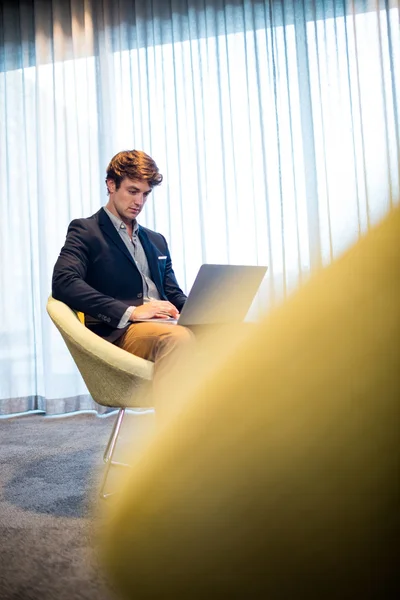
x,y
220,295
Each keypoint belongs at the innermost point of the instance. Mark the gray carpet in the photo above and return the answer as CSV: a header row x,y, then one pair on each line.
x,y
50,474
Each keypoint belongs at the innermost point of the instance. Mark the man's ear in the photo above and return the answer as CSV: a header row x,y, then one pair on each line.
x,y
110,183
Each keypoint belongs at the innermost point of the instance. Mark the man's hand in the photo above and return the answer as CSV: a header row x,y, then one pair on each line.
x,y
159,309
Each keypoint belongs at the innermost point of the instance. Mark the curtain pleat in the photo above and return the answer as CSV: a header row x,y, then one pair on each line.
x,y
274,123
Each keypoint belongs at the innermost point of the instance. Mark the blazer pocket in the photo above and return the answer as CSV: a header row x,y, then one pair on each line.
x,y
162,261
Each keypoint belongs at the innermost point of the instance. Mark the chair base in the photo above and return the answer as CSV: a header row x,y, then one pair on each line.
x,y
109,453
110,448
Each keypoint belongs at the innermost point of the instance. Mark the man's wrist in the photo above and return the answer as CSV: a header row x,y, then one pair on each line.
x,y
127,317
131,314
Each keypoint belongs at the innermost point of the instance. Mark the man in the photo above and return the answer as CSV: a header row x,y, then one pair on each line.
x,y
117,272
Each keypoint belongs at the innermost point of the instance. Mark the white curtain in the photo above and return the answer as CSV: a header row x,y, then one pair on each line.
x,y
275,124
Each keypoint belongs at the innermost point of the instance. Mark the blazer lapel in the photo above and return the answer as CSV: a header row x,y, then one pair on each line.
x,y
109,230
152,259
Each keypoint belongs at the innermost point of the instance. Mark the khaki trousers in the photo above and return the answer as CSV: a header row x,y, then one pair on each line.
x,y
161,343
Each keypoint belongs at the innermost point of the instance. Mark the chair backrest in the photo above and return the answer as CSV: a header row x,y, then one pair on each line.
x,y
112,375
278,474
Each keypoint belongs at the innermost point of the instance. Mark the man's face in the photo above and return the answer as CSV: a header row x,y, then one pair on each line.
x,y
127,201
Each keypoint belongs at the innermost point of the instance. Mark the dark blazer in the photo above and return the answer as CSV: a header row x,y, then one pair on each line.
x,y
95,273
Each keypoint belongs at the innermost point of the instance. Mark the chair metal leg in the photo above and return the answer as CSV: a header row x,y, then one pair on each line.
x,y
109,452
114,434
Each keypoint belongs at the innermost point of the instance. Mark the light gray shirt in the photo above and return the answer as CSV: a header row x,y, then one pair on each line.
x,y
135,249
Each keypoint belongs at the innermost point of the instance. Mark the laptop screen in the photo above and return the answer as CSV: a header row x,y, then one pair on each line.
x,y
221,294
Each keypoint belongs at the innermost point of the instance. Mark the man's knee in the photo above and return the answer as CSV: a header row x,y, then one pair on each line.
x,y
180,335
174,343
175,338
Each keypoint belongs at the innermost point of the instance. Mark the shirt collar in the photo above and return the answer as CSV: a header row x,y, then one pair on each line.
x,y
118,224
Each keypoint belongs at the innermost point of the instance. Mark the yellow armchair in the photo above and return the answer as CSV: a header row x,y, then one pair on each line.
x,y
113,376
278,473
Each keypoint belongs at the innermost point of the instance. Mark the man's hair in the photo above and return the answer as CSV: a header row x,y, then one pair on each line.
x,y
133,164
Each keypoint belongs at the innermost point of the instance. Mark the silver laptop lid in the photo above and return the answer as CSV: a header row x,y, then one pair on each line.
x,y
221,294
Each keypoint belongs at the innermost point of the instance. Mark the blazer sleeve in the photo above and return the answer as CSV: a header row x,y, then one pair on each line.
x,y
69,275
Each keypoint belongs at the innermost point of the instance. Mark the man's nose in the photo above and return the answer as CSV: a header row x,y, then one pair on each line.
x,y
139,199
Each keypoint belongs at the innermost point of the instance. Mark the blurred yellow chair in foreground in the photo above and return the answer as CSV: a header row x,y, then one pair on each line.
x,y
113,376
277,476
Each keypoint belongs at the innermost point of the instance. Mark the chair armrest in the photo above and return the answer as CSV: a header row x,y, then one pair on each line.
x,y
112,375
